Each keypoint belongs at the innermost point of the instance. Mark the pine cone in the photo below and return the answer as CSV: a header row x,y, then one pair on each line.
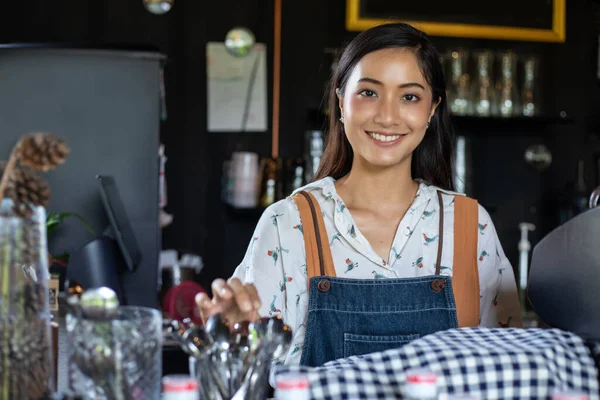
x,y
42,151
26,189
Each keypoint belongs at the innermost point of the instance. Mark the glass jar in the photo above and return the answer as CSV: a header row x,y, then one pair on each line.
x,y
26,367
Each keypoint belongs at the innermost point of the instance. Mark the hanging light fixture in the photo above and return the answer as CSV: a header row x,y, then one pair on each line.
x,y
158,7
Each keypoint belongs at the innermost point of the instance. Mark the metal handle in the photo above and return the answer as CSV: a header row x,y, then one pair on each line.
x,y
595,198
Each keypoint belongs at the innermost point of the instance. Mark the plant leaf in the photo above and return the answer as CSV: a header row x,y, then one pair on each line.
x,y
54,220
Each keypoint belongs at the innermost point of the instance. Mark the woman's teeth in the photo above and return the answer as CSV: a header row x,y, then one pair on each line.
x,y
384,138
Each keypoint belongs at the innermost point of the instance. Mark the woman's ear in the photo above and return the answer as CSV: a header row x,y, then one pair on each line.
x,y
434,107
340,96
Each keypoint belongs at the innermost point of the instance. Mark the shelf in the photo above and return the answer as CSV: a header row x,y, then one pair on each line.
x,y
520,120
316,120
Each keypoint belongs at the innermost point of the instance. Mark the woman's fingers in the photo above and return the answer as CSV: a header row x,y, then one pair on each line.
x,y
253,294
206,307
242,297
237,301
221,291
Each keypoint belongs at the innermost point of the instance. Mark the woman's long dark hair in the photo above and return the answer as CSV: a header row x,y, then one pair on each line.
x,y
432,160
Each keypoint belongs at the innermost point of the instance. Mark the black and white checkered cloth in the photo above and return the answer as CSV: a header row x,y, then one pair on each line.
x,y
489,363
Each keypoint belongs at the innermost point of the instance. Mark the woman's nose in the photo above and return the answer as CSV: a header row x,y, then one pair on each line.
x,y
388,113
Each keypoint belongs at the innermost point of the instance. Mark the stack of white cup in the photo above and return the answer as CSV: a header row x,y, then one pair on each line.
x,y
244,171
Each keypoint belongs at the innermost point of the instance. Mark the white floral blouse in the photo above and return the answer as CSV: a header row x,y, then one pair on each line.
x,y
276,261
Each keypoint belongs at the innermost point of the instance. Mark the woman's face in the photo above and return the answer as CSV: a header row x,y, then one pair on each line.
x,y
386,106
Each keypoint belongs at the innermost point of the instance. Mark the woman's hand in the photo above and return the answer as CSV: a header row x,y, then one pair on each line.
x,y
235,300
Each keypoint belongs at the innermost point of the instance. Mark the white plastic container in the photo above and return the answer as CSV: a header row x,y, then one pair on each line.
x,y
180,387
245,179
420,384
292,386
569,395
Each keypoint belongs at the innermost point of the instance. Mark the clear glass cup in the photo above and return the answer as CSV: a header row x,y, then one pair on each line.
x,y
116,359
508,97
529,93
483,90
459,95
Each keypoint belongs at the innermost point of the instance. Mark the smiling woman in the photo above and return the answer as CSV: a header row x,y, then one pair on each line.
x,y
393,109
378,250
391,77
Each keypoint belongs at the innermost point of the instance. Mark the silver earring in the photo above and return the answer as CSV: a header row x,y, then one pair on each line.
x,y
342,118
428,124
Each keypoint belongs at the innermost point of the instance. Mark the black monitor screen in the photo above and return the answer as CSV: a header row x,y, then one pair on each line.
x,y
119,221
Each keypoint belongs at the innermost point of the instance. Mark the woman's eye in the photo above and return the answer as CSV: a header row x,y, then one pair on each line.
x,y
367,93
410,97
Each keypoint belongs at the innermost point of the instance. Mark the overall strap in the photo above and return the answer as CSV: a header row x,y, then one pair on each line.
x,y
441,234
319,261
465,273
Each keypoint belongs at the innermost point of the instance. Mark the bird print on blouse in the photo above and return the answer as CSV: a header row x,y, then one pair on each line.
x,y
429,240
427,214
396,255
377,275
274,218
275,261
482,255
350,265
274,254
352,231
284,281
419,262
482,228
335,237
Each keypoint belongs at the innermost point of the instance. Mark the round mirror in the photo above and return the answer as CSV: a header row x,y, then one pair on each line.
x,y
538,156
158,7
239,41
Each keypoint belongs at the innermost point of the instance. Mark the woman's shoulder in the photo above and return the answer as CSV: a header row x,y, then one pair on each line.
x,y
286,208
449,198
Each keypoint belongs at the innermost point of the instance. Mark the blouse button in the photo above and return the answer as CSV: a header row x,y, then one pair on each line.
x,y
324,285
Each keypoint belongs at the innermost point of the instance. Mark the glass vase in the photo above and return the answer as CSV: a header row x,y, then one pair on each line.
x,y
26,367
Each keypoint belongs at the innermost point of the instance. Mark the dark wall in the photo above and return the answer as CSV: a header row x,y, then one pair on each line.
x,y
104,104
502,181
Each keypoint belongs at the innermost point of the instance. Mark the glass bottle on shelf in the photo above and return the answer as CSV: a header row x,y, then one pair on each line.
x,y
458,89
529,93
575,198
271,190
313,151
294,175
484,96
507,84
581,196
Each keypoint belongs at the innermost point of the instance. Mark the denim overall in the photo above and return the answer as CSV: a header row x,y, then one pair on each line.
x,y
348,317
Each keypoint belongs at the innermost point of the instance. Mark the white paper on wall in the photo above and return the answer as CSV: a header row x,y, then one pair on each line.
x,y
236,86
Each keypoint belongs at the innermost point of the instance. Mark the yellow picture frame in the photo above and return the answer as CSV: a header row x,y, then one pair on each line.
x,y
557,34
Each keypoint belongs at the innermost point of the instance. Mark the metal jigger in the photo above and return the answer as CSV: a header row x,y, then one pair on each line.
x,y
95,309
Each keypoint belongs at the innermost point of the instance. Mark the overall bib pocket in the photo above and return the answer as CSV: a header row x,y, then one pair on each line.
x,y
355,345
